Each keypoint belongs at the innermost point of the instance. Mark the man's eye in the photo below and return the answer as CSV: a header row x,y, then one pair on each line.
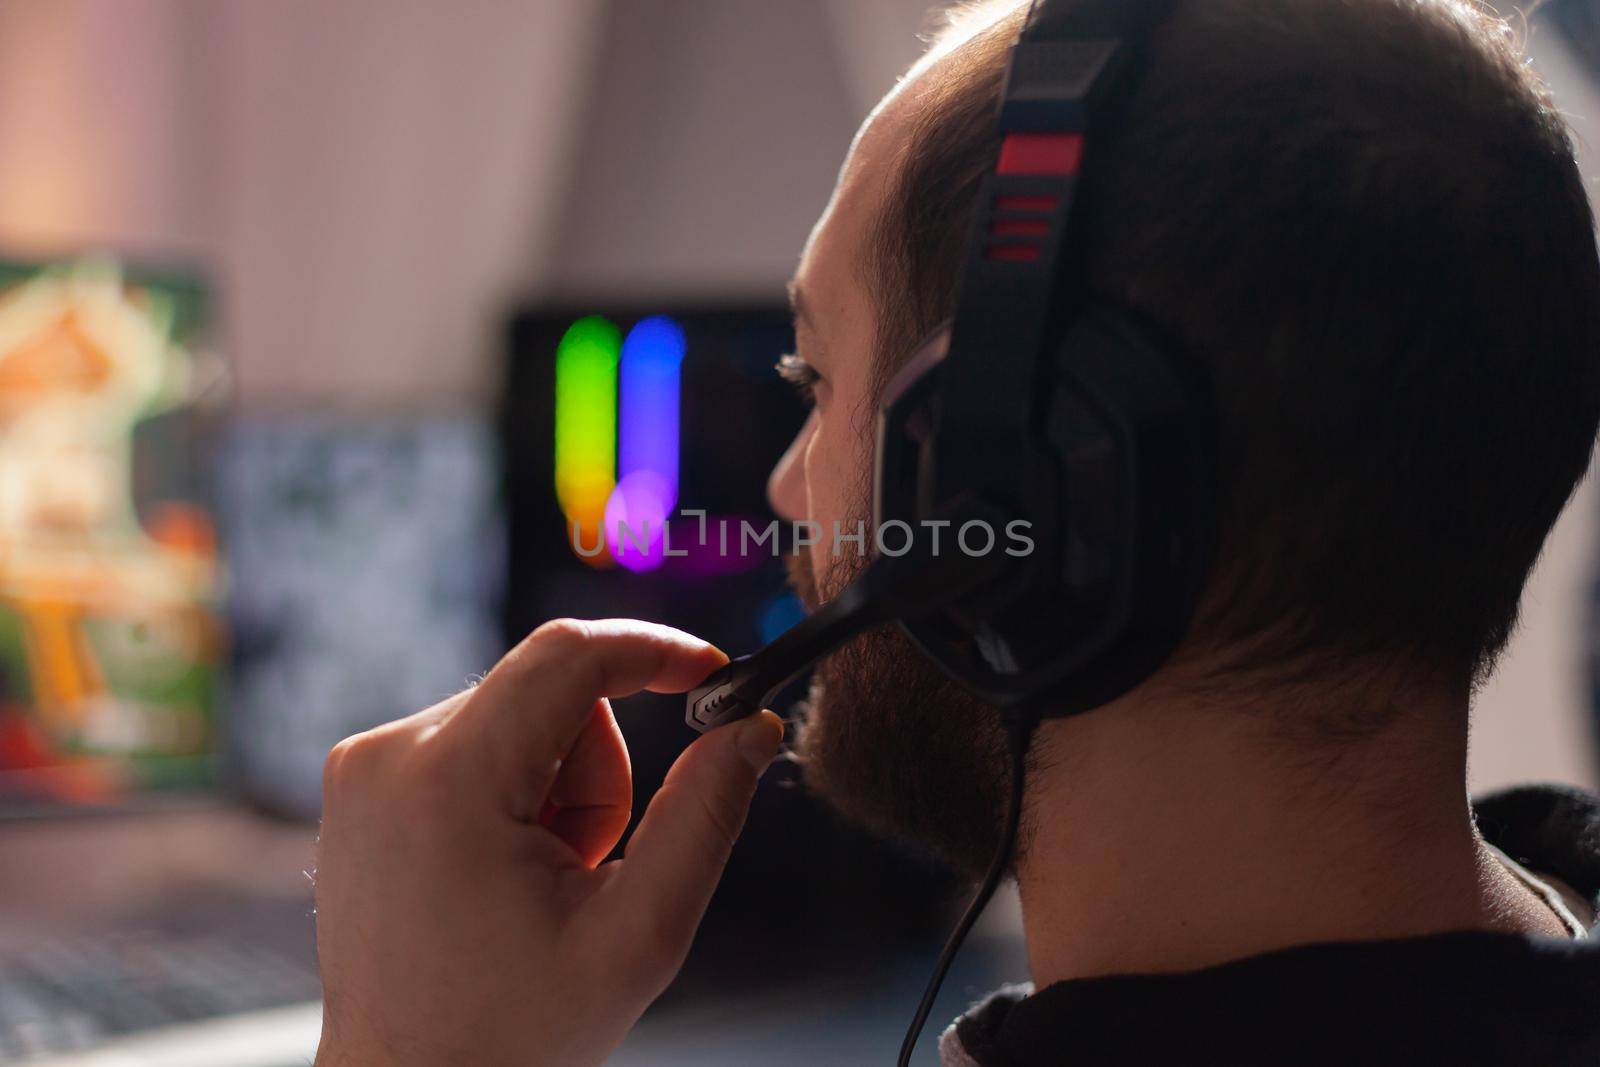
x,y
800,374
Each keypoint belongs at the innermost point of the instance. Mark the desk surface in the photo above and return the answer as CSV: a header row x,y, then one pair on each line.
x,y
189,870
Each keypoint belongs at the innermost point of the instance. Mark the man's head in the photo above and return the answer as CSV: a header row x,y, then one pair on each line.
x,y
1364,220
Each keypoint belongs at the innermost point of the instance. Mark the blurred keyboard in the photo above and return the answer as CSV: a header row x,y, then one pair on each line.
x,y
74,993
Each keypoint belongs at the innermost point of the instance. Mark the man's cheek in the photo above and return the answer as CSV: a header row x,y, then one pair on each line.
x,y
822,575
839,482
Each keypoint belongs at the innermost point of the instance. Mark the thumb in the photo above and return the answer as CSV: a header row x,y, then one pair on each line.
x,y
676,855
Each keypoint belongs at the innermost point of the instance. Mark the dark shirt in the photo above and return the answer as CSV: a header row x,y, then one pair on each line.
x,y
1457,998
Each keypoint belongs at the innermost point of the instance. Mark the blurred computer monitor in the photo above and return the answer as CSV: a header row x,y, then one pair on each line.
x,y
637,413
647,417
111,647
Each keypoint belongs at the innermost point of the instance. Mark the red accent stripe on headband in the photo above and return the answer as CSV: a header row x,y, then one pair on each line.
x,y
1040,153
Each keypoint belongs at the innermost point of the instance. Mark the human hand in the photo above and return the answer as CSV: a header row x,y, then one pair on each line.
x,y
464,915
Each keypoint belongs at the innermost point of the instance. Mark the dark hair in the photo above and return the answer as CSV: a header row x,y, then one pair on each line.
x,y
1365,220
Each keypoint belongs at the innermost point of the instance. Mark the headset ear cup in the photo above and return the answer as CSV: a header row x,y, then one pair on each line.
x,y
1138,489
1122,522
1094,519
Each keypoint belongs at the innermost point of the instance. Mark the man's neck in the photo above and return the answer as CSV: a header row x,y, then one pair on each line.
x,y
1177,838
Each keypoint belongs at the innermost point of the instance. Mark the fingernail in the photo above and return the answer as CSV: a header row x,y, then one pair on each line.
x,y
759,738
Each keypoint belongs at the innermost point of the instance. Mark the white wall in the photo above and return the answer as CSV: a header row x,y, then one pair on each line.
x,y
372,182
369,180
98,106
715,130
1533,720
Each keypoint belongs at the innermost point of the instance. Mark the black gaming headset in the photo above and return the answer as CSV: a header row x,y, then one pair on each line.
x,y
1047,408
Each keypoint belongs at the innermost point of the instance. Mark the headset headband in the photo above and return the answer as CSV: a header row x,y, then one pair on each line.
x,y
1071,61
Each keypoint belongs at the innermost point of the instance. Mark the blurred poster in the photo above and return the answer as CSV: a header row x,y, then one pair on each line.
x,y
110,647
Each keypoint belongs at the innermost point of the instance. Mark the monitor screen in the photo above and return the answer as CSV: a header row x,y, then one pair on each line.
x,y
636,446
625,417
110,642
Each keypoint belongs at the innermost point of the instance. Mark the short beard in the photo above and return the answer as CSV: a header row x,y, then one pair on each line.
x,y
897,746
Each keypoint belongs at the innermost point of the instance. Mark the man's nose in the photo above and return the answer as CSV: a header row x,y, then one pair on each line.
x,y
786,485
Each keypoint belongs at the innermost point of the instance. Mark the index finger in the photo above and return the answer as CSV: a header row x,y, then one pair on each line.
x,y
526,715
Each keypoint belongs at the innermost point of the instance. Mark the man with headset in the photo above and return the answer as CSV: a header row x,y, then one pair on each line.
x,y
1361,221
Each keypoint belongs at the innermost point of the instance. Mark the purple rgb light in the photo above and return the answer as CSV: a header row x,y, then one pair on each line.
x,y
647,442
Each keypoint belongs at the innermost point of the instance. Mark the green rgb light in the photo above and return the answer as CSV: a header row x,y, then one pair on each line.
x,y
586,421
